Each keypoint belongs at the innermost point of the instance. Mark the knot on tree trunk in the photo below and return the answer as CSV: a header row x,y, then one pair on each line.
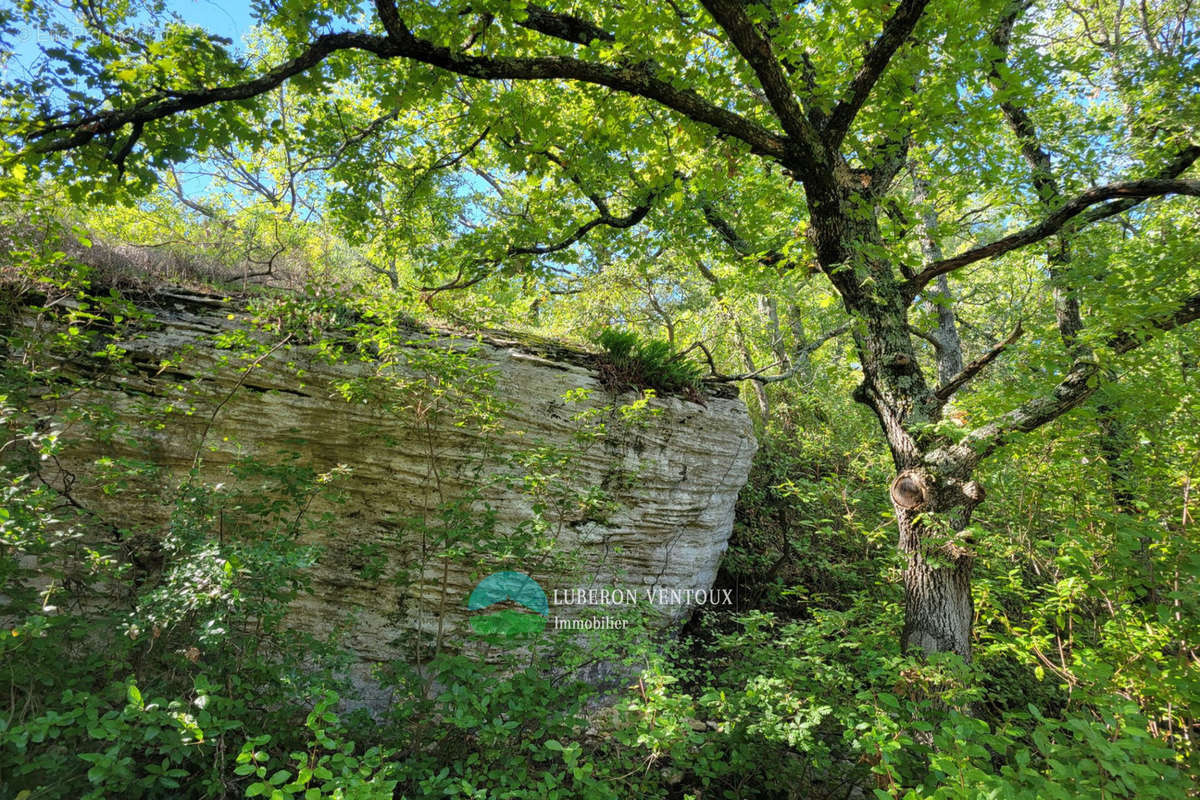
x,y
910,490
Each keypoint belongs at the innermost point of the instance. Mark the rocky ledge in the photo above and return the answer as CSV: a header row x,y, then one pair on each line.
x,y
635,495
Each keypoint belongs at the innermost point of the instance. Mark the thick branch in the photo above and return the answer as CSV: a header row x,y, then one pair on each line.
x,y
725,230
1175,168
636,215
708,274
731,237
1129,190
929,337
756,49
390,17
1080,382
632,79
563,26
946,390
891,157
1131,338
636,79
83,130
1017,117
895,32
599,202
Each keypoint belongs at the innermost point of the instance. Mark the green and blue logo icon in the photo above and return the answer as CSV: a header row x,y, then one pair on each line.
x,y
528,615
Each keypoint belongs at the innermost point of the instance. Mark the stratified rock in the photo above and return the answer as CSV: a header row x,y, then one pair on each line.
x,y
663,479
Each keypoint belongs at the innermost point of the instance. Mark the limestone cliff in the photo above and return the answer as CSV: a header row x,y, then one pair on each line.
x,y
646,495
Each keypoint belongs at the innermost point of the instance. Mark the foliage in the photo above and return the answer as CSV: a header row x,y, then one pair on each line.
x,y
179,674
653,364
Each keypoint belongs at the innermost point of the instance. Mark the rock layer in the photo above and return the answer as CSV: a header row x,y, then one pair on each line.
x,y
662,479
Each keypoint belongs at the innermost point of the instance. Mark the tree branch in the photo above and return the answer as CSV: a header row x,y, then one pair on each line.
x,y
462,281
891,157
895,32
946,390
563,26
756,49
176,187
636,215
636,79
1174,168
1080,382
1128,190
1131,338
929,337
81,131
757,375
596,200
1018,119
731,237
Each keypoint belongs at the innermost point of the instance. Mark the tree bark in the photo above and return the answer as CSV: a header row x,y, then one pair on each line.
x,y
1067,310
743,348
938,608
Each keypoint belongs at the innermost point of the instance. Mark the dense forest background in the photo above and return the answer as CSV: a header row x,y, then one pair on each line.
x,y
943,251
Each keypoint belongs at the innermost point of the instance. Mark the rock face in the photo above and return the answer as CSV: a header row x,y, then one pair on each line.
x,y
635,496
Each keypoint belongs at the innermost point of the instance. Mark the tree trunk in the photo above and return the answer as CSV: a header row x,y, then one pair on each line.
x,y
949,349
932,494
1115,447
932,512
743,348
938,609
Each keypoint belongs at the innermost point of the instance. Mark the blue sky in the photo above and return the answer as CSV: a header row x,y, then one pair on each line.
x,y
228,19
231,20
